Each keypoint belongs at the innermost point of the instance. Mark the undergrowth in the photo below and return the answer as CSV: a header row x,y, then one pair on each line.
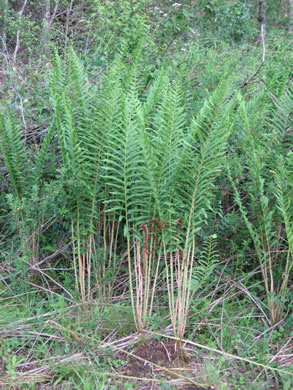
x,y
151,206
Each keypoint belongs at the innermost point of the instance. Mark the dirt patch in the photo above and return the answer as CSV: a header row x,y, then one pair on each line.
x,y
149,359
157,352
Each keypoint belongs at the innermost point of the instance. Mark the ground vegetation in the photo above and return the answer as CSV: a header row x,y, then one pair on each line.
x,y
146,181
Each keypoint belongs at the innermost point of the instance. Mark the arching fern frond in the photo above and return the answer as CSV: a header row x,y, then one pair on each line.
x,y
206,263
281,121
123,163
283,191
42,153
14,153
202,158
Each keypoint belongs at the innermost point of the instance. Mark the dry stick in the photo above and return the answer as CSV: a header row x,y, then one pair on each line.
x,y
189,294
84,255
135,313
113,244
52,256
32,374
186,267
170,286
178,309
143,261
278,353
103,268
79,257
279,370
49,291
181,289
242,288
265,332
167,352
139,285
49,277
269,269
129,247
18,32
147,261
90,245
24,320
114,347
155,281
115,261
143,265
22,113
68,12
74,256
274,357
262,38
53,14
109,244
5,55
145,282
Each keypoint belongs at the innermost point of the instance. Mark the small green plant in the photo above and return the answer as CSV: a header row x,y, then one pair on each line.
x,y
265,236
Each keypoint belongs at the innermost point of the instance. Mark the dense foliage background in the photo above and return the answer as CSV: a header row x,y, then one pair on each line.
x,y
146,177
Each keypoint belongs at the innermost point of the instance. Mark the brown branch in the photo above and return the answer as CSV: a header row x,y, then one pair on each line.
x,y
262,39
52,256
18,32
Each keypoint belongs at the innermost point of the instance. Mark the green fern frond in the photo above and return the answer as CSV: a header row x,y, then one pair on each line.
x,y
42,153
206,263
244,214
170,130
14,153
256,168
154,93
284,201
281,121
122,164
202,158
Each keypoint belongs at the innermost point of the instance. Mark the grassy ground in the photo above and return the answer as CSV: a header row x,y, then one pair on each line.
x,y
49,340
49,344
